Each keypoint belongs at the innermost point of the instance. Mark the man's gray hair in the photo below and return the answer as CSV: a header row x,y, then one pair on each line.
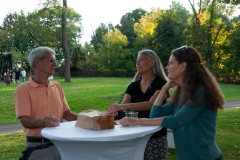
x,y
38,53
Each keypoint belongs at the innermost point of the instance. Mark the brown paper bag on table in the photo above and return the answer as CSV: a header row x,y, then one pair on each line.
x,y
94,120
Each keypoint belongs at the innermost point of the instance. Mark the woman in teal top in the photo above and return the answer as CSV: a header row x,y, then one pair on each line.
x,y
192,111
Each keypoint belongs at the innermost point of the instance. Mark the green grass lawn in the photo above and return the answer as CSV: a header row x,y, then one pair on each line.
x,y
99,93
84,93
81,94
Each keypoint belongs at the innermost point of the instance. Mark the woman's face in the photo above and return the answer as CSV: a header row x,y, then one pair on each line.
x,y
175,69
144,64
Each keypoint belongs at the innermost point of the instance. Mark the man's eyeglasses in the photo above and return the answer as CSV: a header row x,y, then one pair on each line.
x,y
50,59
183,50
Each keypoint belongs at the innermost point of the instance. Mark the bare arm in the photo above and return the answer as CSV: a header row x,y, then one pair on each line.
x,y
69,116
140,106
127,121
32,123
162,95
126,105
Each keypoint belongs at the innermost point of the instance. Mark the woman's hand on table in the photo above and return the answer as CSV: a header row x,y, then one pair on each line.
x,y
128,121
113,109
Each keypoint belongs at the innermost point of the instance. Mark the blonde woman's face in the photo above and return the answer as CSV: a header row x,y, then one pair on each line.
x,y
144,64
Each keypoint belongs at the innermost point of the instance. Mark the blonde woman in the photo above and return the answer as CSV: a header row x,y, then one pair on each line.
x,y
140,96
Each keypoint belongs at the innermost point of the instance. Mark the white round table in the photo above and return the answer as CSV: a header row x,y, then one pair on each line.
x,y
120,143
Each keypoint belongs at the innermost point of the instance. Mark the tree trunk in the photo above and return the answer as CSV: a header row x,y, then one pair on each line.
x,y
64,42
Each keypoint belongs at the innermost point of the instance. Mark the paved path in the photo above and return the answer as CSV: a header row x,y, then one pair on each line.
x,y
232,104
10,128
16,127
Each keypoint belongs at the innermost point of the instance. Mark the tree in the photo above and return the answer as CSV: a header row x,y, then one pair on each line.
x,y
144,29
98,33
41,27
234,2
233,60
208,20
64,42
170,31
112,49
92,58
14,39
78,57
126,24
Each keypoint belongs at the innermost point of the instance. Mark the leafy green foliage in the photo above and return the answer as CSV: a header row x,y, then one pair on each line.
x,y
144,29
127,22
98,34
169,32
209,33
78,57
211,28
235,2
234,60
42,27
112,49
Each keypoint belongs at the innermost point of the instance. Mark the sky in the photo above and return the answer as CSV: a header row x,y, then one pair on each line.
x,y
93,12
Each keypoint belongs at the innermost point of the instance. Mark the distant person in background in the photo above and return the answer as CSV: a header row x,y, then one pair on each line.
x,y
11,75
17,76
140,96
23,74
4,77
8,77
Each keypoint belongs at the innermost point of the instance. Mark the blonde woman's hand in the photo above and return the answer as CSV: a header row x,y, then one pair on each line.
x,y
113,109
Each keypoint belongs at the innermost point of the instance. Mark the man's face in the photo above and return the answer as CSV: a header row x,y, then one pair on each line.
x,y
47,64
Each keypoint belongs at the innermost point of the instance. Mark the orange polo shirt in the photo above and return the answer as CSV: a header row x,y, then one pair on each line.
x,y
37,101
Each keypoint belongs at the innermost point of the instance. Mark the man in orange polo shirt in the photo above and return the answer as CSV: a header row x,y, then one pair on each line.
x,y
41,103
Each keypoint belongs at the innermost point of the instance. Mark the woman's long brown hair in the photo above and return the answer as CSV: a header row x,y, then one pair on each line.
x,y
195,75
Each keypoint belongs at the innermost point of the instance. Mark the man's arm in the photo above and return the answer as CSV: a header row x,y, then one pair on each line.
x,y
69,115
32,123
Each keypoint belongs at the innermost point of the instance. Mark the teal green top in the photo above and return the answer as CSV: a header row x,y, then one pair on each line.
x,y
194,128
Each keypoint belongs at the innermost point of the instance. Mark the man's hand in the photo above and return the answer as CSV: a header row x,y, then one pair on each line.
x,y
32,123
51,121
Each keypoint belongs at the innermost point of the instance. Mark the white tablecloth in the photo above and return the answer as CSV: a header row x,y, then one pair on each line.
x,y
121,143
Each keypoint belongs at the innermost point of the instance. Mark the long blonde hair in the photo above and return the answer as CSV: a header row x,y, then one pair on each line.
x,y
158,70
